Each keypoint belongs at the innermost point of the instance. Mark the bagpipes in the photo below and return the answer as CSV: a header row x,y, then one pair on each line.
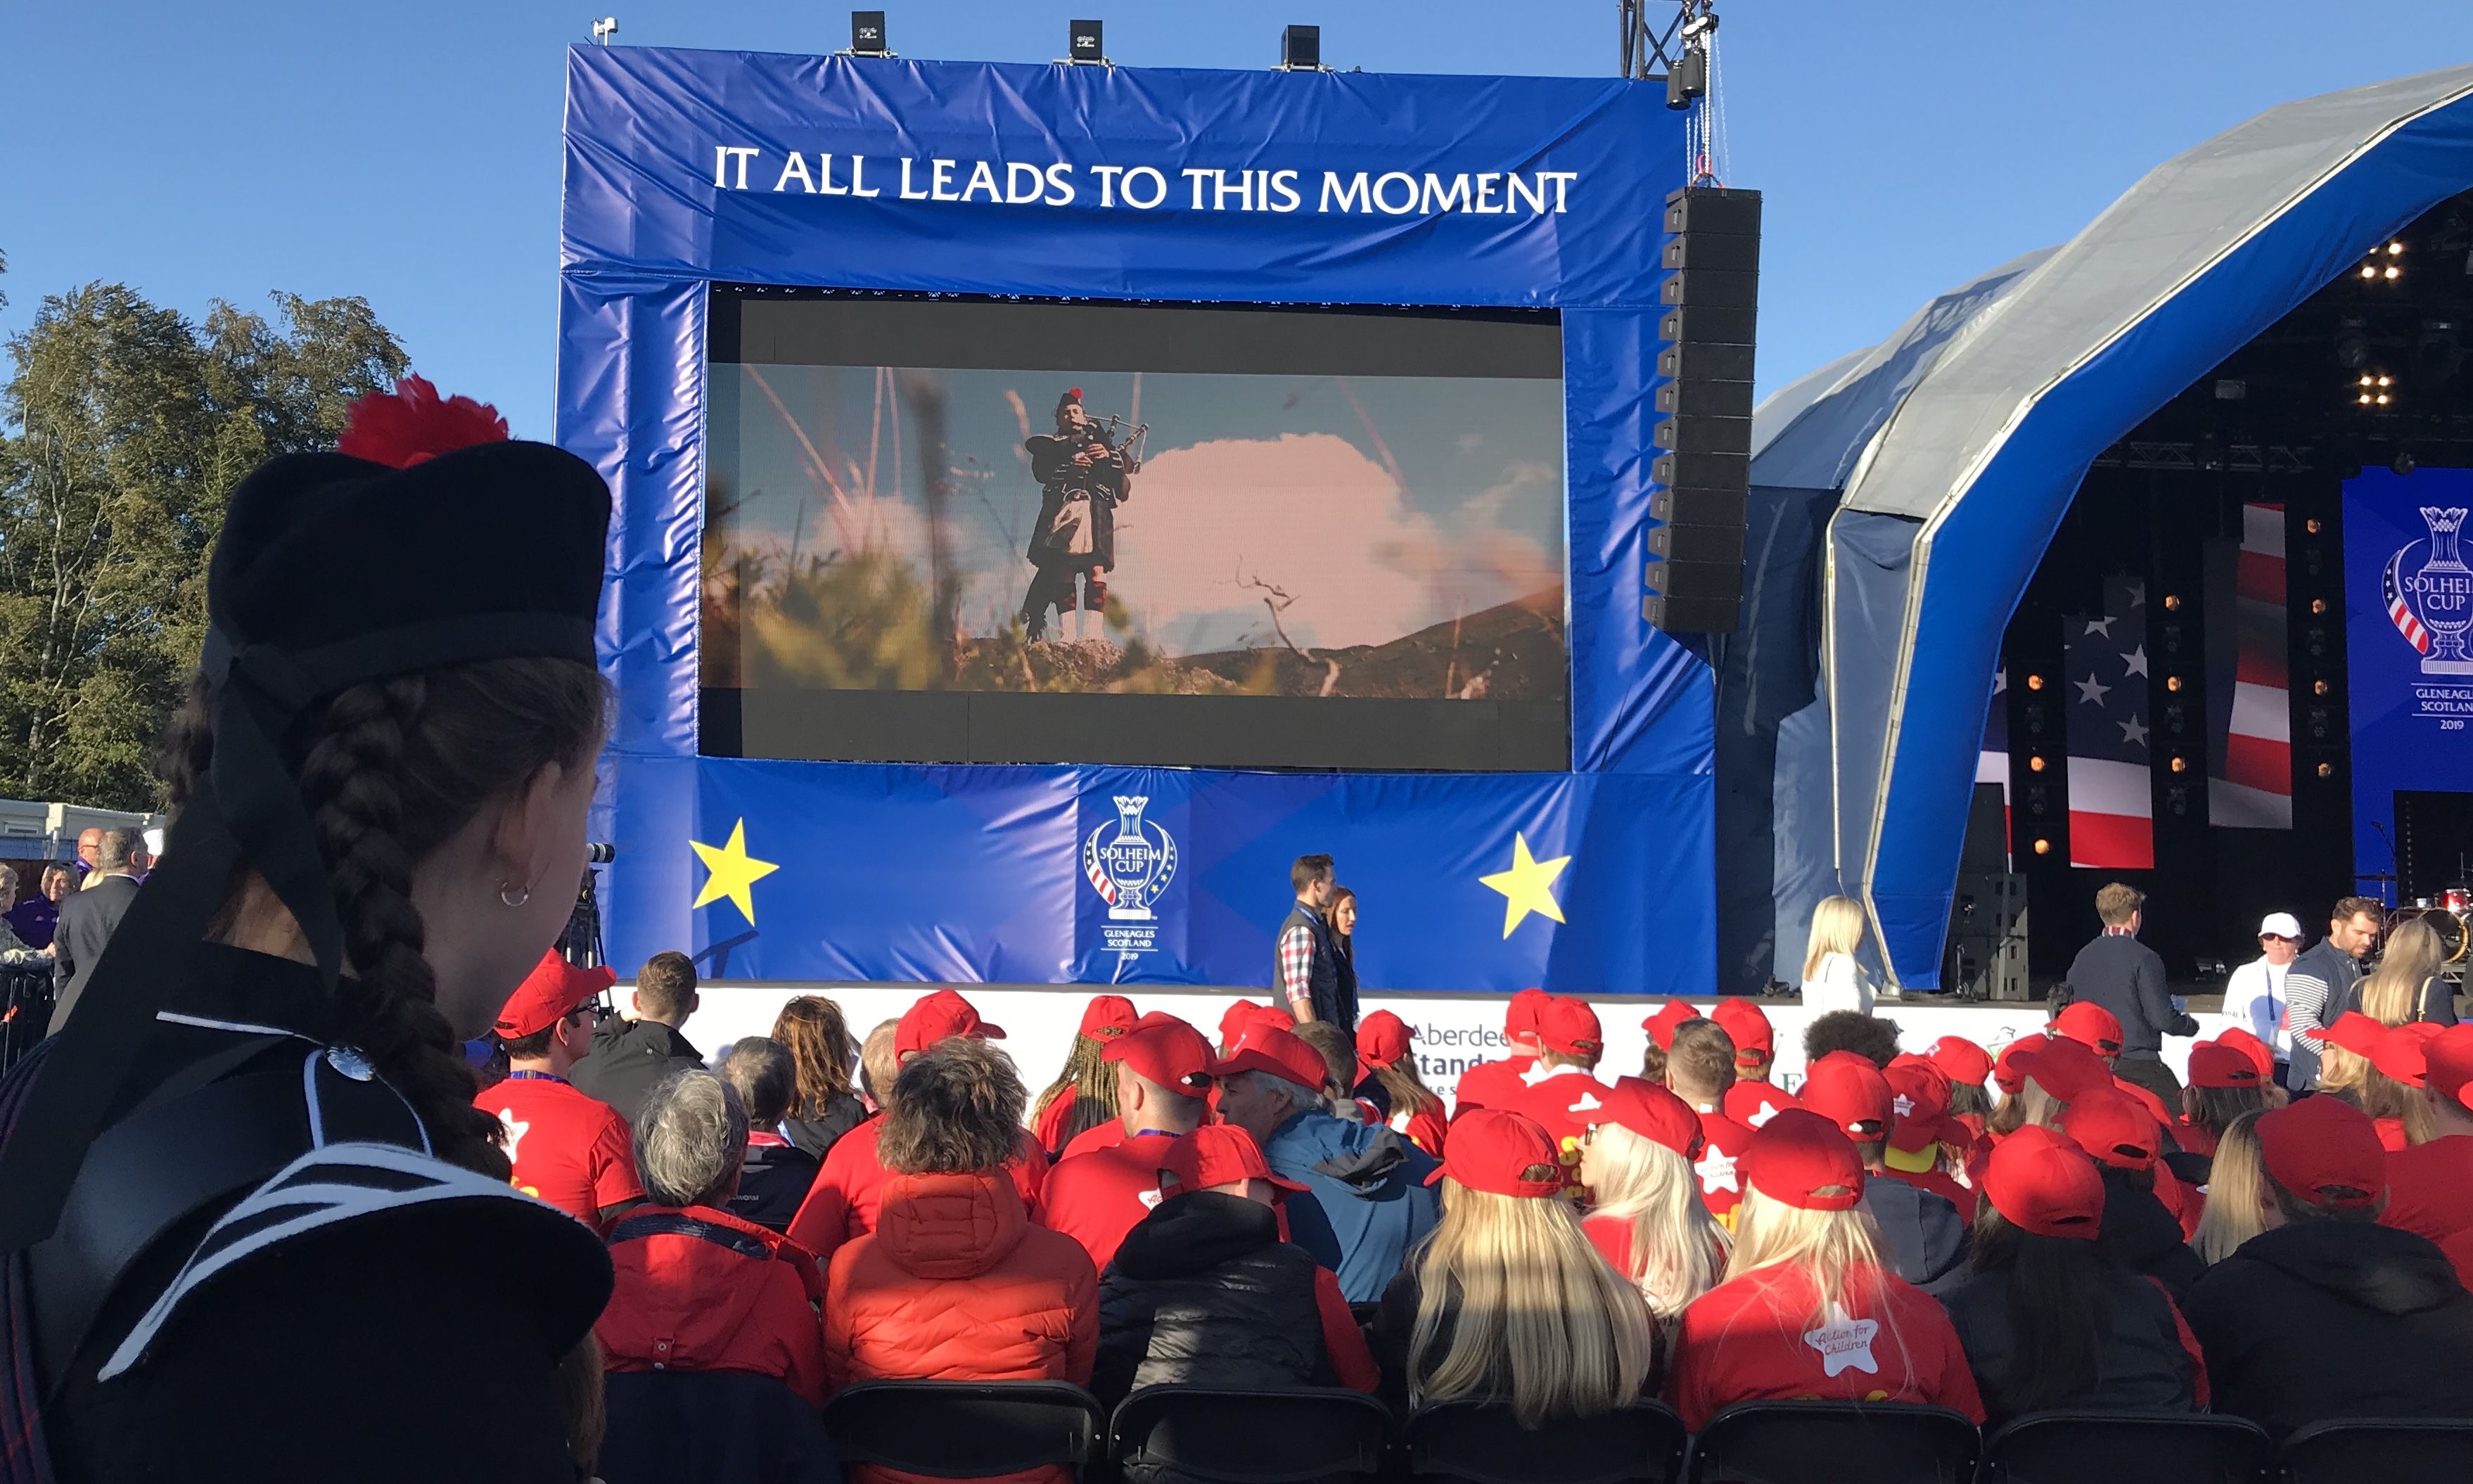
x,y
1129,447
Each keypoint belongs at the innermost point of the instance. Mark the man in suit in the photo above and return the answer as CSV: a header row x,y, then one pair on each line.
x,y
2127,977
88,917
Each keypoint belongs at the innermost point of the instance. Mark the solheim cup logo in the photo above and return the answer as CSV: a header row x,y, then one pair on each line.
x,y
2432,606
1132,868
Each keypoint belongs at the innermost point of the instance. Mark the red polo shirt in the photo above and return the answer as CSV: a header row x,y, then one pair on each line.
x,y
842,1201
1096,1198
570,1150
1492,1084
1721,1180
1762,1337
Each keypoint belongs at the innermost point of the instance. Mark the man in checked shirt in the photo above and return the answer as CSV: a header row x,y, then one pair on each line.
x,y
1306,969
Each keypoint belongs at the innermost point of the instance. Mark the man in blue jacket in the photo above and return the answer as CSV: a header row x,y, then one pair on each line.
x,y
1363,1200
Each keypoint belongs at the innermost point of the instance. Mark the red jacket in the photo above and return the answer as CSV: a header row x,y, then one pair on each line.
x,y
699,1289
1755,1338
955,1284
842,1203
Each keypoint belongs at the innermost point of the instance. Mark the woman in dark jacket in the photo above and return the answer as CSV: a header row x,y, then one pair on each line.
x,y
1203,1292
825,1107
2050,1319
381,780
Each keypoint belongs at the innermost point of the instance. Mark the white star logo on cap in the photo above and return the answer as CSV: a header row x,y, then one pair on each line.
x,y
1844,1343
1906,1106
1588,1103
1767,1110
1717,1171
516,1129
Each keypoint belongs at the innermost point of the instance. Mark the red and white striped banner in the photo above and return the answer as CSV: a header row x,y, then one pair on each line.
x,y
2255,790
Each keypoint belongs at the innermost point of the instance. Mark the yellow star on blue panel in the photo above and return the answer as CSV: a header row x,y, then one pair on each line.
x,y
1526,887
734,872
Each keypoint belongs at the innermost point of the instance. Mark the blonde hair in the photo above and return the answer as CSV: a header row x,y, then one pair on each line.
x,y
1531,1306
2390,993
2357,1080
1839,1249
1837,927
2036,1105
880,1064
1677,1248
2234,1187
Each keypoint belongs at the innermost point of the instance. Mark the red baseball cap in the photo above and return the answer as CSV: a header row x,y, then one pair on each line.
x,y
2090,1025
1748,1027
549,995
1218,1153
2216,1065
1797,1155
2006,1074
2109,1125
1919,1106
1108,1014
1569,1027
2400,1052
940,1017
2320,1145
1167,1052
1656,1114
2045,1183
1501,1153
1963,1060
2355,1032
1661,1026
1851,1094
1521,1018
1752,1104
1239,1017
1381,1040
2250,1046
2449,1057
2065,1067
1279,1051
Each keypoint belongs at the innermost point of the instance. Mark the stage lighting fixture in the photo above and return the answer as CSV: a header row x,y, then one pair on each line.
x,y
2173,683
2034,683
2180,765
2312,525
2326,770
1301,49
2172,603
1082,43
604,29
2035,764
2404,462
2395,249
2369,269
2317,687
867,35
2042,847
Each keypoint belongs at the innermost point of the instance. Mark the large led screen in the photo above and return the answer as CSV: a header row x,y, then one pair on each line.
x,y
958,530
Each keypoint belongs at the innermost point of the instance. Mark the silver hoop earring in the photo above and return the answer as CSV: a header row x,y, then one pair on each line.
x,y
514,895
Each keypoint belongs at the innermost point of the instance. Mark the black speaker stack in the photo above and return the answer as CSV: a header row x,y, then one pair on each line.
x,y
1704,403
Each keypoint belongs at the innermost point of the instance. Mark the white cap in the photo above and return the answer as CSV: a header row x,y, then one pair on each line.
x,y
2280,924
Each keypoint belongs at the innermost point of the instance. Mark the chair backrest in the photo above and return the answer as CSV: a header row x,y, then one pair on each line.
x,y
1481,1443
712,1428
1249,1437
1835,1442
2376,1447
964,1429
2127,1448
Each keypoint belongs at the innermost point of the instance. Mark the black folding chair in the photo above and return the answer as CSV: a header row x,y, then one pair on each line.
x,y
2377,1447
1322,1435
1481,1443
2127,1448
966,1429
1836,1443
712,1428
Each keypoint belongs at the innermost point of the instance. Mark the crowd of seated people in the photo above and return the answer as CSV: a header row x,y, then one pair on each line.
x,y
1292,1207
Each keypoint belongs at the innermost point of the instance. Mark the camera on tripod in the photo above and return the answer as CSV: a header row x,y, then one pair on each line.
x,y
580,944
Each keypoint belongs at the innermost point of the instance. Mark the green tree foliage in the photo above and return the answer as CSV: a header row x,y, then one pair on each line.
x,y
122,428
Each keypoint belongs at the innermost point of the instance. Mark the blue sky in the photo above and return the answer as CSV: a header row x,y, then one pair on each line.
x,y
411,153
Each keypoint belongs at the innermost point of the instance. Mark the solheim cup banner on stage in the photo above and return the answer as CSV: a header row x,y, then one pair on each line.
x,y
1052,499
2408,605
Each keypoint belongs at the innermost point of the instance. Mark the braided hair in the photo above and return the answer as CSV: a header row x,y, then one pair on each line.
x,y
388,771
1092,1082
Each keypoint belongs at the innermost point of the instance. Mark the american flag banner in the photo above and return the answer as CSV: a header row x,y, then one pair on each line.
x,y
2104,676
1992,759
2250,786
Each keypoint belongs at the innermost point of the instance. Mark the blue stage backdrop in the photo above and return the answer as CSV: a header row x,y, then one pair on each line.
x,y
687,169
2408,607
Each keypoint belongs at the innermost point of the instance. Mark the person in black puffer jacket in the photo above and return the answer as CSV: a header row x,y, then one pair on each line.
x,y
1203,1291
2049,1318
2327,1313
